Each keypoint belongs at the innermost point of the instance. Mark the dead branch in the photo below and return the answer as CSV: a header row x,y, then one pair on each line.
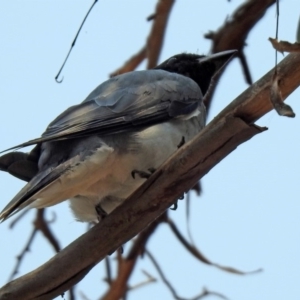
x,y
149,279
18,218
39,224
132,63
154,41
156,36
236,28
22,254
197,254
118,287
108,277
192,161
233,33
172,289
285,46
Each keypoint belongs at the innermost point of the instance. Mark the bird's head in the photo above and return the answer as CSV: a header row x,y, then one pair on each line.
x,y
200,68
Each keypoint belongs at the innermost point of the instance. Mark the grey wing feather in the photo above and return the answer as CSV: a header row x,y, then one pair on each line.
x,y
124,103
37,183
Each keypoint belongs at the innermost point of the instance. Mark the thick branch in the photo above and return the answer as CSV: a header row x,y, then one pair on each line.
x,y
191,162
235,30
233,33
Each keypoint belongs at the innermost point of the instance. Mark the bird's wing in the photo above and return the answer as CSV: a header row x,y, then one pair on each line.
x,y
125,103
37,183
21,165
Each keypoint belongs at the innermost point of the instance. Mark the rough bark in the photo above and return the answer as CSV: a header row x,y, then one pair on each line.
x,y
233,126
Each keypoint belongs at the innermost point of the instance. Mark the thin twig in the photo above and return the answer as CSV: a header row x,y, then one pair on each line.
x,y
73,43
83,296
188,227
21,256
156,36
196,253
108,277
39,225
243,60
172,289
119,287
18,218
132,63
42,225
72,293
161,274
276,31
150,279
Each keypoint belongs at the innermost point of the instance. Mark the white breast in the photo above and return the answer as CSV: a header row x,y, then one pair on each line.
x,y
114,180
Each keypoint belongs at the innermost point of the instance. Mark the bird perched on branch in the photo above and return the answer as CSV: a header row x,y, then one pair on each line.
x,y
100,151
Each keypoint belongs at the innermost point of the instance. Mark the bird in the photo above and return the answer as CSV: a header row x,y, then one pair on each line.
x,y
96,153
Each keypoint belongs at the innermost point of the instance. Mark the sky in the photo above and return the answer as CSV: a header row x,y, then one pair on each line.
x,y
248,215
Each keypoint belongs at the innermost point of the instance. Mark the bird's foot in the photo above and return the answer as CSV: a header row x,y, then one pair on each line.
x,y
182,142
175,205
143,174
101,213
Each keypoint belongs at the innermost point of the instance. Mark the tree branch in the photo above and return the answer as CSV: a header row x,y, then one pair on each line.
x,y
233,33
126,265
236,28
200,256
191,162
156,36
154,41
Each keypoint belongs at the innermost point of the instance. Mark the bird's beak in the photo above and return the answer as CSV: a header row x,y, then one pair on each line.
x,y
219,60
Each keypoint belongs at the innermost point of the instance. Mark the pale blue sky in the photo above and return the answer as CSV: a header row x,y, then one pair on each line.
x,y
248,216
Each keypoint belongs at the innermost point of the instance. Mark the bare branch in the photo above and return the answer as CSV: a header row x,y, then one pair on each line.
x,y
284,46
132,63
172,289
234,32
192,161
156,37
108,278
196,253
83,296
119,287
150,279
18,218
236,28
41,224
22,254
154,42
242,57
162,276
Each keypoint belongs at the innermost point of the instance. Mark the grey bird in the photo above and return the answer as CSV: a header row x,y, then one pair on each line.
x,y
100,151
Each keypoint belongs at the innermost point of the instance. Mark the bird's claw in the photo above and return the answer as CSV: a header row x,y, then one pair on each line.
x,y
182,142
175,205
143,174
101,213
